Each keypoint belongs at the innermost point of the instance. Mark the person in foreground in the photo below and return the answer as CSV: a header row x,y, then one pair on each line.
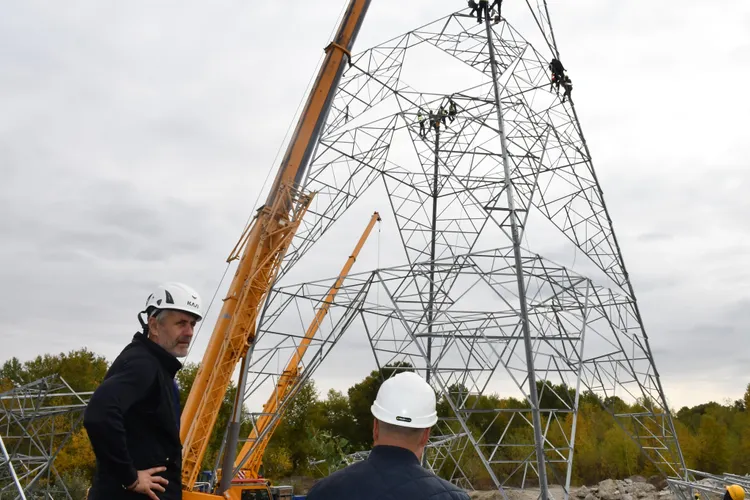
x,y
404,411
133,417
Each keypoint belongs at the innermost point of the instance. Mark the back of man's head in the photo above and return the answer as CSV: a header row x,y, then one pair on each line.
x,y
406,437
404,411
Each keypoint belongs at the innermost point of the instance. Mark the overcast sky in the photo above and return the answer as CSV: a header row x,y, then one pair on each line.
x,y
135,138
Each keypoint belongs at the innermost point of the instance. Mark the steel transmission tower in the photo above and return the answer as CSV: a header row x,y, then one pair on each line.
x,y
36,422
475,306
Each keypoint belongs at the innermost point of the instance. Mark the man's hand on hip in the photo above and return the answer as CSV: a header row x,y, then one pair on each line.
x,y
147,482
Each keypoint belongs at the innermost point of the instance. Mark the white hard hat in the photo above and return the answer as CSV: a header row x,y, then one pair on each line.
x,y
175,296
406,400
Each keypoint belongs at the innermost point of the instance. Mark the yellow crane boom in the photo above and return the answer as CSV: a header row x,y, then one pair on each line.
x,y
260,251
271,417
265,247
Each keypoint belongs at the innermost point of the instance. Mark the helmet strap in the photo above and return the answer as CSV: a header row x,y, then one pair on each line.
x,y
144,325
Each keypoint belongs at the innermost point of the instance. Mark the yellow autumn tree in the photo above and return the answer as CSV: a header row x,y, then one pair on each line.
x,y
77,455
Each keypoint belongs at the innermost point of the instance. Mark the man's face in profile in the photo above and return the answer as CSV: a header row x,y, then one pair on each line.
x,y
173,330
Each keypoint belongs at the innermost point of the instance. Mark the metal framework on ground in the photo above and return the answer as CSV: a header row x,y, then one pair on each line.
x,y
471,306
705,484
36,421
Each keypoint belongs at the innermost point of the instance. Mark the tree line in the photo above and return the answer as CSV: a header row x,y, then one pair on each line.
x,y
319,430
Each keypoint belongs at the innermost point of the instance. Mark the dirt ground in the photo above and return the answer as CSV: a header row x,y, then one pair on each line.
x,y
606,490
302,484
528,494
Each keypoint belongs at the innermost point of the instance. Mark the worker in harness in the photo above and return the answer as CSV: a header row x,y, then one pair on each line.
x,y
404,411
557,76
568,86
499,4
554,82
557,68
452,109
133,417
435,119
420,119
483,9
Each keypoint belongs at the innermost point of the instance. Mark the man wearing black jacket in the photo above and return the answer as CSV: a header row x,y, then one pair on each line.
x,y
133,417
404,411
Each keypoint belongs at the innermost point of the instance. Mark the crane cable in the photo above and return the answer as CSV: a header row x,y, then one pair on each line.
x,y
292,123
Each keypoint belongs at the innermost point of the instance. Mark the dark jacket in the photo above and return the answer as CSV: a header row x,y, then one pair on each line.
x,y
389,473
132,421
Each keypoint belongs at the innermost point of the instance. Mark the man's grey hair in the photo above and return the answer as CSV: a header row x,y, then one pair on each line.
x,y
161,315
410,433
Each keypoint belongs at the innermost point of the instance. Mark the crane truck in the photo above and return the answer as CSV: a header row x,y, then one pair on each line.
x,y
260,253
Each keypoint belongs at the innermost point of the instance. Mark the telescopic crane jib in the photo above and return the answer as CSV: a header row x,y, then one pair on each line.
x,y
260,252
266,423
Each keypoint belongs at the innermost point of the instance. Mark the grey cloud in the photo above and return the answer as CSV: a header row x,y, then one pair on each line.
x,y
655,237
703,351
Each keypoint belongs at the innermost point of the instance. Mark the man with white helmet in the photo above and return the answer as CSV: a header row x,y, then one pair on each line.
x,y
133,417
404,411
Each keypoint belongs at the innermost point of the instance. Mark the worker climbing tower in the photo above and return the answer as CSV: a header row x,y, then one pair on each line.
x,y
504,276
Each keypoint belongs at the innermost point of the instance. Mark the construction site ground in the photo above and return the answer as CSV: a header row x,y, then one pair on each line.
x,y
635,488
629,489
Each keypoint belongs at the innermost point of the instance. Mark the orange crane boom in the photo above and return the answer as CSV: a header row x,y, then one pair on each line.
x,y
260,252
251,455
265,247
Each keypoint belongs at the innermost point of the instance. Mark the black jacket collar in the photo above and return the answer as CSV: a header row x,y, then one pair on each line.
x,y
169,362
392,454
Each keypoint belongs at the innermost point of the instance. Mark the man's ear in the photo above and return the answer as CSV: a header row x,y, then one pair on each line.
x,y
375,429
152,325
425,437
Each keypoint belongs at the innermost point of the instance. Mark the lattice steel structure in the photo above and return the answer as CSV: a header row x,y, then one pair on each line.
x,y
709,486
36,421
471,306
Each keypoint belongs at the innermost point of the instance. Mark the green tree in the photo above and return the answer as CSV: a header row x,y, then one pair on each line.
x,y
712,443
185,378
81,369
619,454
688,443
12,373
361,397
329,449
302,418
277,462
742,462
338,421
555,396
587,457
